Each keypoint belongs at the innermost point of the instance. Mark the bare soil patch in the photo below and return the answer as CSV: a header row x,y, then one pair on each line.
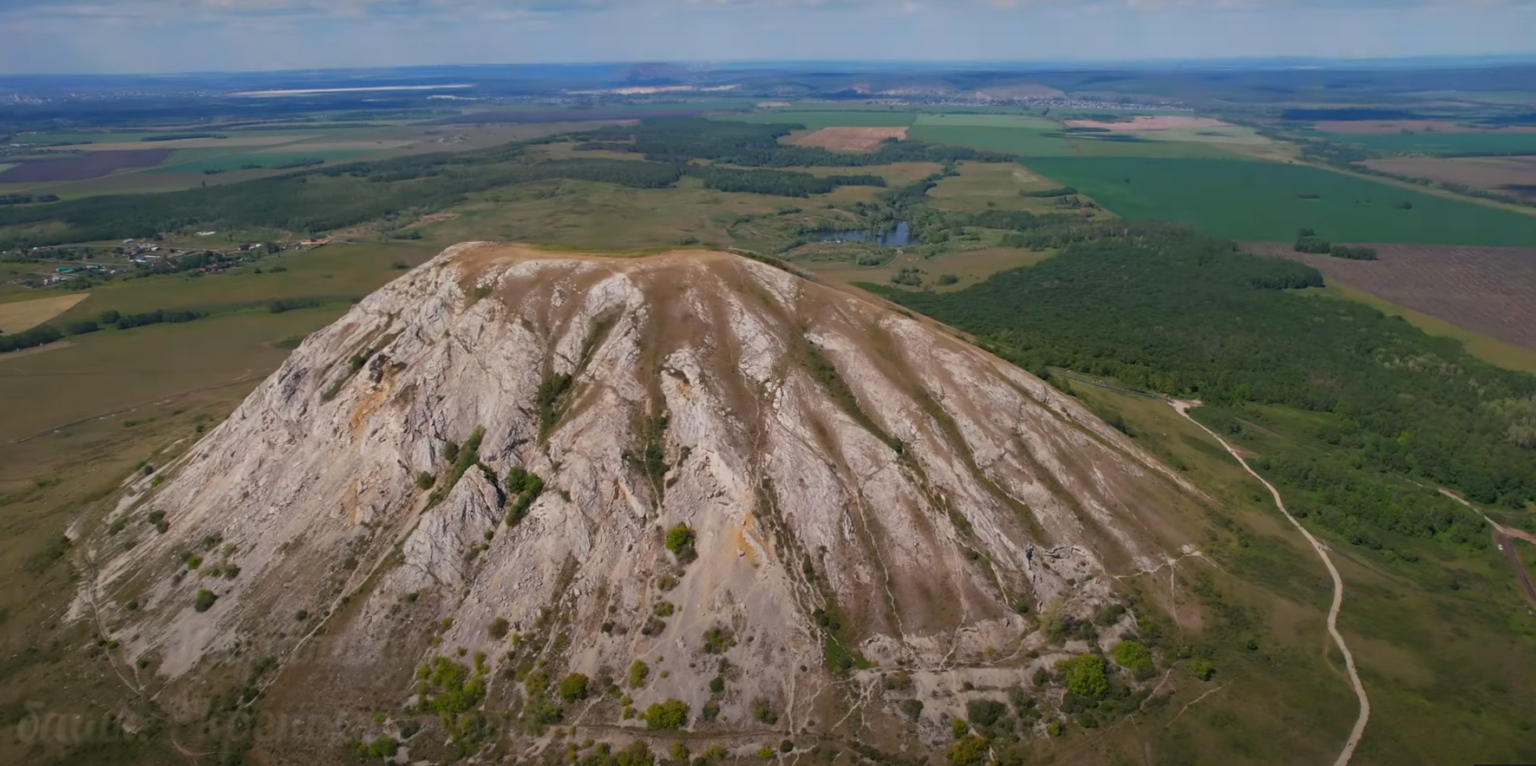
x,y
1513,175
1488,290
1152,122
851,139
1366,128
79,167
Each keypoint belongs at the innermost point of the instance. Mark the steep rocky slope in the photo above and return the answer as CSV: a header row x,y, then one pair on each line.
x,y
510,466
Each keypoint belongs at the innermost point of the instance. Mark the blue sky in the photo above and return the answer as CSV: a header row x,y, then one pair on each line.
x,y
206,35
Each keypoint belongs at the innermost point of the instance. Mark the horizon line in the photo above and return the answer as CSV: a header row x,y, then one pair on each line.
x,y
1252,61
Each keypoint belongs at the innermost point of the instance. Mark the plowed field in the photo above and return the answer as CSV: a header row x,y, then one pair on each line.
x,y
851,139
78,167
1488,290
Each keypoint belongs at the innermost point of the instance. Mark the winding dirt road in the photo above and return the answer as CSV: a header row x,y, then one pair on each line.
x,y
1504,537
1338,589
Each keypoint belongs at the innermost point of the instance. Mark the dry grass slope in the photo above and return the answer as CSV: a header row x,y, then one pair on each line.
x,y
24,315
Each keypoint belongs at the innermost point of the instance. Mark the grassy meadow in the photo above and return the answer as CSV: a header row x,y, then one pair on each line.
x,y
209,161
242,155
1261,201
1443,143
1025,142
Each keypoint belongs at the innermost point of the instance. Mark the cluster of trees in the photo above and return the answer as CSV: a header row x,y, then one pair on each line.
x,y
27,199
753,145
42,334
282,305
36,336
776,182
1065,191
1339,498
1353,253
1160,307
129,321
1307,241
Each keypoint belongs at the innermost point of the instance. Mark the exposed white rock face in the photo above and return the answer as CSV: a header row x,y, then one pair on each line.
x,y
829,454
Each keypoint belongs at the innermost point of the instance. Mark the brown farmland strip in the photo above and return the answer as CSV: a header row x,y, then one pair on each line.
x,y
851,139
1488,290
79,167
1514,175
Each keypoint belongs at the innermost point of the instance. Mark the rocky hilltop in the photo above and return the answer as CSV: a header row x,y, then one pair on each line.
x,y
514,493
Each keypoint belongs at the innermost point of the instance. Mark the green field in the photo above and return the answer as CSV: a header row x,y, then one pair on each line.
x,y
987,121
102,137
338,271
1028,143
1092,145
1051,142
217,160
850,119
1258,201
1444,144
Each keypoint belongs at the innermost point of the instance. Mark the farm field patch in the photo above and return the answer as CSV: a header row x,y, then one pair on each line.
x,y
82,166
291,157
981,186
970,266
1151,122
1502,142
1390,127
1024,142
1483,289
848,119
1135,145
337,271
861,140
987,121
114,370
83,137
1515,175
1270,201
24,315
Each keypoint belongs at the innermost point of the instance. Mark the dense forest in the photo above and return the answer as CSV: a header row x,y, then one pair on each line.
x,y
753,145
1163,308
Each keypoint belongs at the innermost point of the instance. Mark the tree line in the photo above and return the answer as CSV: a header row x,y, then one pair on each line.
x,y
775,182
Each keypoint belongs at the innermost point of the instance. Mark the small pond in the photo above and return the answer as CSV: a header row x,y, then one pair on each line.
x,y
898,236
